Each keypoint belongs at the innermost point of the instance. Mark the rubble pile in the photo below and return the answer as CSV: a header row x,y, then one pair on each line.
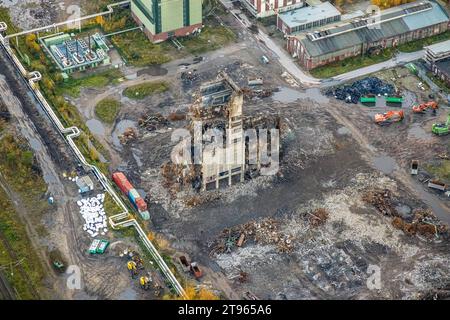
x,y
153,122
318,217
370,85
189,77
424,223
265,231
94,215
257,93
128,135
382,201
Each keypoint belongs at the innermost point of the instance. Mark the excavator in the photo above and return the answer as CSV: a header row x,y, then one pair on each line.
x,y
441,129
389,117
421,108
131,265
145,281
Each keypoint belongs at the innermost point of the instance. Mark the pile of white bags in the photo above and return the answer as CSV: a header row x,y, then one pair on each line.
x,y
94,215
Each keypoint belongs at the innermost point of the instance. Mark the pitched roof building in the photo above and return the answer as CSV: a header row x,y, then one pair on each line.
x,y
369,34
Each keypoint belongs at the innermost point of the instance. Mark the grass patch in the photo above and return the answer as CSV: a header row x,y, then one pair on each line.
x,y
441,171
18,167
5,17
211,38
350,64
138,51
417,45
107,110
111,208
143,90
98,80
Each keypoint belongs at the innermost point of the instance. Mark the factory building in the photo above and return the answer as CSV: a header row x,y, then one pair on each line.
x,y
301,19
72,54
165,19
266,8
368,35
437,57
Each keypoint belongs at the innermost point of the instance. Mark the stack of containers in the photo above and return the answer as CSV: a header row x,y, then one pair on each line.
x,y
135,198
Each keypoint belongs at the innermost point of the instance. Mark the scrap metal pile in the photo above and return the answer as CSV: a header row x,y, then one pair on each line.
x,y
128,135
370,85
153,122
421,222
265,231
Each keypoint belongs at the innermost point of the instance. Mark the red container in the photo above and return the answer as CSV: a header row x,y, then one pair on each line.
x,y
141,204
122,182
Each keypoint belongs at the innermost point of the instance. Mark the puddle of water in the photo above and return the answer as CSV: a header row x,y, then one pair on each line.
x,y
96,127
418,132
128,294
288,95
385,164
120,129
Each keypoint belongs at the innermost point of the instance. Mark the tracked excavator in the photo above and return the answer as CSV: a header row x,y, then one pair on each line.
x,y
389,117
421,108
131,265
441,129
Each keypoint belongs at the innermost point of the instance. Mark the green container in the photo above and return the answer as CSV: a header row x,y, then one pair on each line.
x,y
94,245
394,99
368,100
102,246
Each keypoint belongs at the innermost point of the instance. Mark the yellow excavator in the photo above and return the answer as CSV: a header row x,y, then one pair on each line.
x,y
145,281
131,265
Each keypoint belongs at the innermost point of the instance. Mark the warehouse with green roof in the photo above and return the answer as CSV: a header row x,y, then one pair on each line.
x,y
368,35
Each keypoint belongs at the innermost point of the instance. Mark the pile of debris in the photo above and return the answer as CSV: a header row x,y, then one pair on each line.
x,y
176,175
265,231
153,122
256,93
189,77
94,215
128,135
382,201
370,85
424,223
318,217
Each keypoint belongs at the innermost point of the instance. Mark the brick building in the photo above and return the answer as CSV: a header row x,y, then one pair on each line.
x,y
437,57
266,8
368,35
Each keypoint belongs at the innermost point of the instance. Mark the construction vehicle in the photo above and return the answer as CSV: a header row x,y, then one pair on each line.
x,y
145,281
196,270
438,185
421,108
131,266
414,167
441,129
389,117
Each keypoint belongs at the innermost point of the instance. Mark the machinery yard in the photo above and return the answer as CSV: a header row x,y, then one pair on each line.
x,y
361,188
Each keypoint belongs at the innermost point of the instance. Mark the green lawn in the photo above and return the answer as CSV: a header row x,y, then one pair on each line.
x,y
138,51
350,64
419,44
143,90
211,38
441,171
98,80
107,110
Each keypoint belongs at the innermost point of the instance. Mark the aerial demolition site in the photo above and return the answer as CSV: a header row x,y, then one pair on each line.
x,y
232,178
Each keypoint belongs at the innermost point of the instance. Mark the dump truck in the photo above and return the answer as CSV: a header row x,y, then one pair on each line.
x,y
414,167
389,117
438,185
421,108
441,129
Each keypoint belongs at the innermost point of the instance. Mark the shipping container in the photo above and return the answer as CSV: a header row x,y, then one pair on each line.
x,y
133,195
141,204
122,182
394,99
145,215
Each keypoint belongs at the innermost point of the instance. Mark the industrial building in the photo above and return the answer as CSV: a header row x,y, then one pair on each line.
x,y
437,57
368,35
76,54
309,17
165,19
266,8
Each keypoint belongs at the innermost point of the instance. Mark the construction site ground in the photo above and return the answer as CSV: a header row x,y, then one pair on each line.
x,y
333,156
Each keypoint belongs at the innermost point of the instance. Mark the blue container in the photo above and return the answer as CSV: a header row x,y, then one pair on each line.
x,y
133,195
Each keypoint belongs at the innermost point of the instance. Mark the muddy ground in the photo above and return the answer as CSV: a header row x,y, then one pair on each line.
x,y
332,154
